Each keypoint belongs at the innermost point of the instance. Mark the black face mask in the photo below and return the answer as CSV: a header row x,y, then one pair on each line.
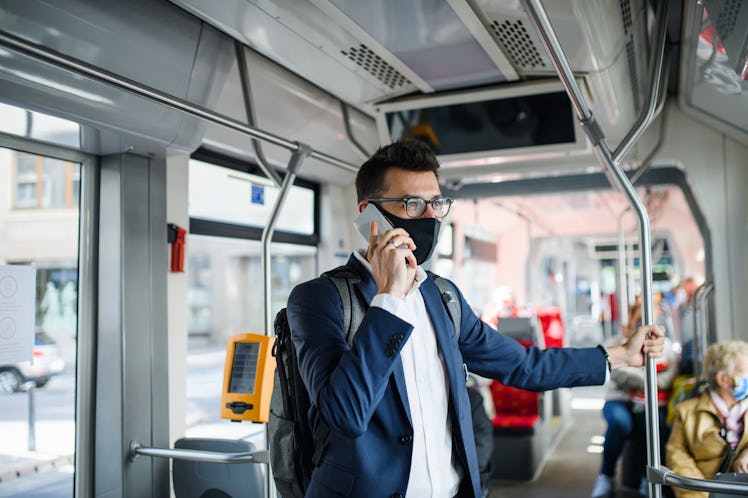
x,y
423,231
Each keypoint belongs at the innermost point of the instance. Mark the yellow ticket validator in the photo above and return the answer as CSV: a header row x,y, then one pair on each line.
x,y
248,378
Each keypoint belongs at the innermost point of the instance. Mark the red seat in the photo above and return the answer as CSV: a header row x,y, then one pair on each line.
x,y
552,325
515,408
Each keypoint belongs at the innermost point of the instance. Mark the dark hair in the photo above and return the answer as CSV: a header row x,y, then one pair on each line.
x,y
409,154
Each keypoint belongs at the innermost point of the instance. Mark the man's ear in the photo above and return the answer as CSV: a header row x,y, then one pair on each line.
x,y
362,205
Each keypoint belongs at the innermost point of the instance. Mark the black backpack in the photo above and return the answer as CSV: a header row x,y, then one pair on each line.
x,y
295,449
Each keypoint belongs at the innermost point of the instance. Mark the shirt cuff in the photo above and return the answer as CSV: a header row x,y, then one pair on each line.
x,y
391,304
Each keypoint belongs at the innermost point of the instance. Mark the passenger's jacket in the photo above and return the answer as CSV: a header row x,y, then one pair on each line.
x,y
695,447
360,391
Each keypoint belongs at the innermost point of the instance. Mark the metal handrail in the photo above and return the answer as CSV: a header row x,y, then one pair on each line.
x,y
349,130
655,76
59,60
297,159
623,289
618,178
259,456
663,475
699,339
249,108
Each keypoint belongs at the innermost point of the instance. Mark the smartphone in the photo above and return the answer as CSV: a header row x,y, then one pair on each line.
x,y
369,214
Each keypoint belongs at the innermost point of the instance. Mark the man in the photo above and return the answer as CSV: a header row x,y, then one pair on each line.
x,y
396,402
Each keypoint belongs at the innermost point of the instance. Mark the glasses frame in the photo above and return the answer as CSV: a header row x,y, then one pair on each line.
x,y
426,202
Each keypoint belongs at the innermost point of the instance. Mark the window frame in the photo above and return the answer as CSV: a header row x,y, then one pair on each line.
x,y
201,226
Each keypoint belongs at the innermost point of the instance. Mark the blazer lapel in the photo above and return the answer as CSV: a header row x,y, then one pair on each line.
x,y
445,338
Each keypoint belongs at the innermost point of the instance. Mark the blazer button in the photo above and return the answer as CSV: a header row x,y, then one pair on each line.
x,y
397,495
406,438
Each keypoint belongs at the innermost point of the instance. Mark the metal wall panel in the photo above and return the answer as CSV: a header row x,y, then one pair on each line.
x,y
132,347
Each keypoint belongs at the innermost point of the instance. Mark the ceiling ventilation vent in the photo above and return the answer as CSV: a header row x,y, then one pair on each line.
x,y
517,44
626,15
376,66
626,21
633,74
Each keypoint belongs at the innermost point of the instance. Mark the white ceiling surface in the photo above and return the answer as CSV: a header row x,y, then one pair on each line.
x,y
317,40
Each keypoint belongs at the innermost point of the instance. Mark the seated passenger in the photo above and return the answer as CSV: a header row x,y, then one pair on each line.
x,y
708,434
624,403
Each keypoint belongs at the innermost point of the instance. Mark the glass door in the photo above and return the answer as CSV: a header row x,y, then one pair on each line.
x,y
39,229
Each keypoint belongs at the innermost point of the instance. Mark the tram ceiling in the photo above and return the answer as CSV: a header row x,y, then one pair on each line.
x,y
371,53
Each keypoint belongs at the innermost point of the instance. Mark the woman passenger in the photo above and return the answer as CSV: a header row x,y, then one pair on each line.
x,y
708,434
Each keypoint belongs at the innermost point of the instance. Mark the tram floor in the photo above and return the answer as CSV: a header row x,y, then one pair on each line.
x,y
571,468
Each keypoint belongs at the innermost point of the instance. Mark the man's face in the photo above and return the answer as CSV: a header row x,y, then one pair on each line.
x,y
405,183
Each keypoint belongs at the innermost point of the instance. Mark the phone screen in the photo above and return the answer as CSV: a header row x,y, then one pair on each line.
x,y
369,214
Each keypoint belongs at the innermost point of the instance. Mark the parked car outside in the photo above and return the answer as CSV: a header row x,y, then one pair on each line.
x,y
47,362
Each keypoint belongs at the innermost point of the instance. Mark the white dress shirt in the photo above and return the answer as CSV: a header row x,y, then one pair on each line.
x,y
433,469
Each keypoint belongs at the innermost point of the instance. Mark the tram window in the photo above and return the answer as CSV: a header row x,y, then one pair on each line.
x,y
49,240
226,195
30,124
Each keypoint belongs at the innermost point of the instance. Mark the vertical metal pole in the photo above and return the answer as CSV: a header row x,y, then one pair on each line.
x,y
623,294
294,163
297,158
32,417
616,175
699,340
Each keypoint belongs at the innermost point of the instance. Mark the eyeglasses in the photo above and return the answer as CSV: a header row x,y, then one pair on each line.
x,y
415,206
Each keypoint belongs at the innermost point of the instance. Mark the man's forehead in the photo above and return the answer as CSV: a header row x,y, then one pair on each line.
x,y
402,183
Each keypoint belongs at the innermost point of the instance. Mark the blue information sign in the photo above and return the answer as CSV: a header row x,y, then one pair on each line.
x,y
258,194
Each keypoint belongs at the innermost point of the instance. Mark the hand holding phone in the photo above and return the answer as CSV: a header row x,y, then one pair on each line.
x,y
369,214
389,273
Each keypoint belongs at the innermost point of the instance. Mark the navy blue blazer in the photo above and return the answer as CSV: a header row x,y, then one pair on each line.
x,y
360,391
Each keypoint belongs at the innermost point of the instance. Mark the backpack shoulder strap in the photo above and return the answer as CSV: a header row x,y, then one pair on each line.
x,y
344,278
448,293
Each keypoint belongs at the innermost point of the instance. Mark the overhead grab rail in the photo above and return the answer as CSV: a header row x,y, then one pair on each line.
x,y
259,456
241,60
349,130
101,75
610,160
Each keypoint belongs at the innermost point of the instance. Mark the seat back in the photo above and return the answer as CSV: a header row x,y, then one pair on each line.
x,y
523,329
517,408
552,325
216,480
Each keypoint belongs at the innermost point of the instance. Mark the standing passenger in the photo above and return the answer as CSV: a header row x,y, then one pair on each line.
x,y
708,434
395,401
624,404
